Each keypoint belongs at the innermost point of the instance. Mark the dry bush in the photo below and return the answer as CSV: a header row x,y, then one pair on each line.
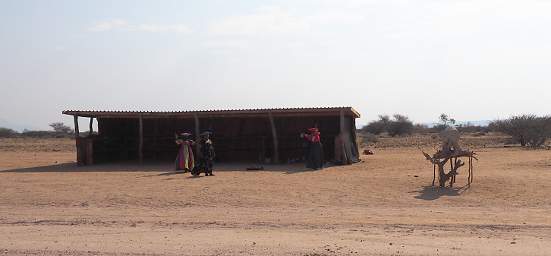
x,y
377,127
397,126
60,127
528,130
401,125
7,133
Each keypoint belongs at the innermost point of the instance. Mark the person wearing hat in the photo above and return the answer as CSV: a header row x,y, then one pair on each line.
x,y
314,152
206,155
185,160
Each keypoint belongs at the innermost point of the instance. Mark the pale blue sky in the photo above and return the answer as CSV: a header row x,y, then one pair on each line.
x,y
379,57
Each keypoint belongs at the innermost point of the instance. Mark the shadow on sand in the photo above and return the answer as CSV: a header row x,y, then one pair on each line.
x,y
165,169
432,193
73,167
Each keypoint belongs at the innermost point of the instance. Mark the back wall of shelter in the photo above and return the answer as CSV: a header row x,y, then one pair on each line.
x,y
235,139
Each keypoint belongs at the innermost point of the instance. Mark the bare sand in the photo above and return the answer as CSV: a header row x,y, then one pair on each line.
x,y
381,206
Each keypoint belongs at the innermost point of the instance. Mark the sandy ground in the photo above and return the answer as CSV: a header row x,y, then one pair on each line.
x,y
382,206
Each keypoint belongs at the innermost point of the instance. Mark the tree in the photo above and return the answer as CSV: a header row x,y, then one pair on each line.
x,y
400,125
528,130
379,126
60,127
6,132
445,122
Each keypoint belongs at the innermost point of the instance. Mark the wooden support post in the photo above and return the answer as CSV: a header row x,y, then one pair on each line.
x,y
155,134
91,127
470,179
197,131
77,141
342,122
274,136
451,170
345,138
197,127
354,139
433,173
76,126
140,143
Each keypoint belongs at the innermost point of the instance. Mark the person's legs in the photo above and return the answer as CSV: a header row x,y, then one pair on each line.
x,y
209,167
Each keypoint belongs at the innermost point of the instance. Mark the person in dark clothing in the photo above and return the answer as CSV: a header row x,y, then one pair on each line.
x,y
206,155
314,152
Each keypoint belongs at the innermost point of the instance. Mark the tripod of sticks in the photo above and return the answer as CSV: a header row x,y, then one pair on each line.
x,y
441,158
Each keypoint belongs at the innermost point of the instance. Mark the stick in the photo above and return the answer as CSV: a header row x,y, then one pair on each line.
x,y
433,173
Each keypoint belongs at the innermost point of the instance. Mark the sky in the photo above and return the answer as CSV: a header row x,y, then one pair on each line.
x,y
474,60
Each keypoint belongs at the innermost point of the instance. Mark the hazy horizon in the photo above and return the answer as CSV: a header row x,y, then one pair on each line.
x,y
474,60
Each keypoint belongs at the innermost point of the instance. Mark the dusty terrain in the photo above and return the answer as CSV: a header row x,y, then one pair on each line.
x,y
382,206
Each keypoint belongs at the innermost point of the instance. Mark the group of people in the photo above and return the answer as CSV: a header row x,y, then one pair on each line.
x,y
313,149
185,161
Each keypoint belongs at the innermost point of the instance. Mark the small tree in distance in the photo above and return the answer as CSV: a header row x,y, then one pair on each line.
x,y
379,126
401,125
6,132
445,122
398,125
528,130
60,127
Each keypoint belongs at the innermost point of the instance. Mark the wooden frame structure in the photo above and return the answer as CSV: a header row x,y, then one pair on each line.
x,y
259,135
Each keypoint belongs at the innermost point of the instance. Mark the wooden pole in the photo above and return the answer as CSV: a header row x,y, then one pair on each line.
x,y
433,173
470,170
451,170
345,140
140,143
274,136
354,138
91,126
342,120
155,134
77,141
197,138
75,117
197,127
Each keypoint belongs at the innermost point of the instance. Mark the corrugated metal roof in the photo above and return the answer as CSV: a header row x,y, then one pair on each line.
x,y
254,111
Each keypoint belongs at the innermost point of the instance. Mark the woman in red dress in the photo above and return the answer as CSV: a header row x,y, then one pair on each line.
x,y
314,152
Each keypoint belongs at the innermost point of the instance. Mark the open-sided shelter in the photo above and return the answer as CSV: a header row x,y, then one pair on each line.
x,y
251,135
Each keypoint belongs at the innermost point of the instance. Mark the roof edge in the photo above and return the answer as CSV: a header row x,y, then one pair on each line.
x,y
94,113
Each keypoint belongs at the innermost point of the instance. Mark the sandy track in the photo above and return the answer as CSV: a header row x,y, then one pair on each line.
x,y
382,206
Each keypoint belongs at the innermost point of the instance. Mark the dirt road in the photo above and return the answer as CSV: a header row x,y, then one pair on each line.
x,y
382,206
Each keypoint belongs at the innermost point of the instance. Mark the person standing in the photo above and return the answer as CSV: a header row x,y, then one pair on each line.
x,y
206,155
314,152
185,160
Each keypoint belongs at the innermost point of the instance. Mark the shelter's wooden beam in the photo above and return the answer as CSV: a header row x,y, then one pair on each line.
x,y
77,141
155,135
274,136
140,144
75,117
197,131
91,126
342,122
197,126
354,137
